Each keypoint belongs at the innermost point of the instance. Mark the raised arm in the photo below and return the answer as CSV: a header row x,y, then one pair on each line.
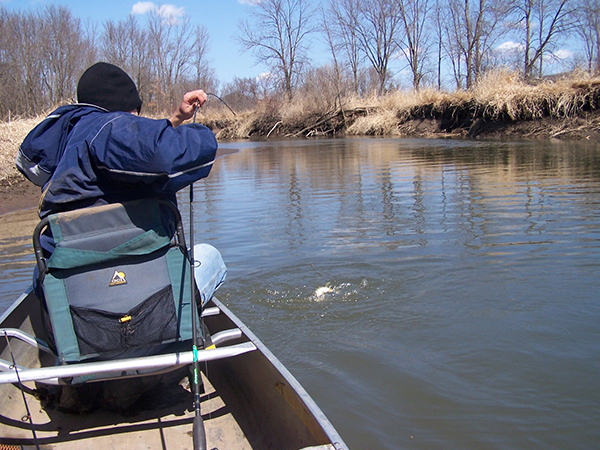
x,y
185,110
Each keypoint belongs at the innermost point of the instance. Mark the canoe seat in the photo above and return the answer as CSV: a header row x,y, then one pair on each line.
x,y
116,280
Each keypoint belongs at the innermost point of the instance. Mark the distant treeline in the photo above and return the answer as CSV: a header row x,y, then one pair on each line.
x,y
43,52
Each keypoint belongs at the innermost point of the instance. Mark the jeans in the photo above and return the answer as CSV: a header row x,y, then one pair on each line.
x,y
209,270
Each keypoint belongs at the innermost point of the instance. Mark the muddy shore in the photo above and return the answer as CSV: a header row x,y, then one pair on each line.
x,y
17,195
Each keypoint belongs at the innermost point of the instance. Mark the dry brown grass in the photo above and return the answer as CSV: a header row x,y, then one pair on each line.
x,y
503,95
499,96
382,122
11,135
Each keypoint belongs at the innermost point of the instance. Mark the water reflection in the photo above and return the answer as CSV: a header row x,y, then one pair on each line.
x,y
16,254
463,308
404,193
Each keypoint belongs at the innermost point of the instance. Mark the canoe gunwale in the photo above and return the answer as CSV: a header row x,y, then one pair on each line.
x,y
54,375
157,362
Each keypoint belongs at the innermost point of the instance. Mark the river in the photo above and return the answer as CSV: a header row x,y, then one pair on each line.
x,y
459,306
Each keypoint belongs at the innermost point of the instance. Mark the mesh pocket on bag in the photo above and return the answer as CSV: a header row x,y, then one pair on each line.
x,y
152,322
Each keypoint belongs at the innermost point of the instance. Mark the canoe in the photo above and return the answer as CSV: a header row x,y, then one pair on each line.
x,y
250,400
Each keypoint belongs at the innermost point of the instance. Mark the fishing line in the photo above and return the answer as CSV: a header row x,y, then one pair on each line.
x,y
22,389
222,101
198,430
191,242
196,105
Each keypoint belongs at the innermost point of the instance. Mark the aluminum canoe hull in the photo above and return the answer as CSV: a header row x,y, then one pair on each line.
x,y
251,401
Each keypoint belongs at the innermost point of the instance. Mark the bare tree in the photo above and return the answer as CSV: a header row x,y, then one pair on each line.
x,y
205,75
415,15
336,75
278,37
322,88
20,64
43,53
8,77
542,22
171,51
439,20
340,28
471,30
588,28
377,28
124,44
63,44
241,93
165,59
41,57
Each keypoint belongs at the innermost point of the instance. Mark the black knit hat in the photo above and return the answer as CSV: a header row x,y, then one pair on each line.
x,y
109,87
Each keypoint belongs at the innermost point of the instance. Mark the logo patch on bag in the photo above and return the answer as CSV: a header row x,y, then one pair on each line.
x,y
117,279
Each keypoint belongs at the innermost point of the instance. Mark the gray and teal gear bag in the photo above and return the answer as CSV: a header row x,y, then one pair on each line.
x,y
118,279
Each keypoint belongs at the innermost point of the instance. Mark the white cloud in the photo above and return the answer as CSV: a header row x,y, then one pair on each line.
x,y
143,8
509,46
558,57
249,2
563,54
264,76
170,13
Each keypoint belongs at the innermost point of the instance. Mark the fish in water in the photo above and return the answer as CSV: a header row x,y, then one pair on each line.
x,y
320,292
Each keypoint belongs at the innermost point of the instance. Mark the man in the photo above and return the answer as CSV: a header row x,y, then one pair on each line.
x,y
100,151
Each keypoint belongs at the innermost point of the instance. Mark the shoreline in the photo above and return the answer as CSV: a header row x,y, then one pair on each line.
x,y
17,193
454,125
502,107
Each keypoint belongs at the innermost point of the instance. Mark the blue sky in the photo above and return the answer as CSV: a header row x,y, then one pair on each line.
x,y
219,17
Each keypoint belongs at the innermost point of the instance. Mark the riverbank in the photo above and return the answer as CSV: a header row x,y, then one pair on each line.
x,y
17,195
457,123
502,107
15,191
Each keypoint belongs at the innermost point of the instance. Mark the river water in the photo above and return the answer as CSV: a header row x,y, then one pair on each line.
x,y
461,305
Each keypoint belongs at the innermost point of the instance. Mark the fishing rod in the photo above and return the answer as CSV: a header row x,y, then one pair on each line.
x,y
198,431
22,389
222,101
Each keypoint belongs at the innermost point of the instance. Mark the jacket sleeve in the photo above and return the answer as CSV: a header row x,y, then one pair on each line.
x,y
43,147
131,149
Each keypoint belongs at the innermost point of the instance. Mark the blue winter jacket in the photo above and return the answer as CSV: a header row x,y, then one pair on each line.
x,y
83,155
